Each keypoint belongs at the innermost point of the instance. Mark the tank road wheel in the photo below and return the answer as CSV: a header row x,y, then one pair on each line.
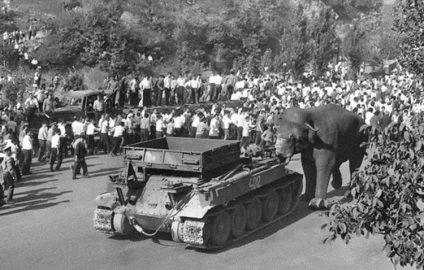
x,y
220,228
270,206
254,213
238,220
286,196
122,225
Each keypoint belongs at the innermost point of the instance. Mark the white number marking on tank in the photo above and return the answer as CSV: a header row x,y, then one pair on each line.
x,y
255,182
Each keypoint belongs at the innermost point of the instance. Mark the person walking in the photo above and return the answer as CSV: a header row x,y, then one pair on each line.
x,y
27,152
42,142
80,150
118,134
56,152
8,176
50,133
98,107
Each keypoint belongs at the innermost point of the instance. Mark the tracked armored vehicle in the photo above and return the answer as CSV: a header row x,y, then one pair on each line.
x,y
200,191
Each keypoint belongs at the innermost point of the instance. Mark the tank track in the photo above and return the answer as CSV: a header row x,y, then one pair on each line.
x,y
103,220
197,233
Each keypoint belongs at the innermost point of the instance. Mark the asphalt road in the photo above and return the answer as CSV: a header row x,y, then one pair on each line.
x,y
50,227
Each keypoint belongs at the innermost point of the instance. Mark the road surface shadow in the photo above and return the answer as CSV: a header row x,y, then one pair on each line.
x,y
103,172
33,205
29,183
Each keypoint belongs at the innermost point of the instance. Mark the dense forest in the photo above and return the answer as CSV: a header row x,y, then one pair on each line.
x,y
194,35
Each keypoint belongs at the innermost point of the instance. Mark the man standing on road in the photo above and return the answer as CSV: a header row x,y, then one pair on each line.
x,y
42,142
98,107
50,134
27,152
80,150
8,175
104,137
55,151
167,86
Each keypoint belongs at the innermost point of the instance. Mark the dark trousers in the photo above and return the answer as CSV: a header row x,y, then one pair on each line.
x,y
78,164
230,90
90,144
48,148
133,98
104,142
212,92
97,116
239,133
27,161
153,132
180,94
56,154
9,185
159,134
192,132
167,96
217,91
258,137
233,132
144,134
64,146
159,94
147,101
42,150
116,144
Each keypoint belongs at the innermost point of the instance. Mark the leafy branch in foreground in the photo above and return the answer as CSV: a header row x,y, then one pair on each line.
x,y
387,195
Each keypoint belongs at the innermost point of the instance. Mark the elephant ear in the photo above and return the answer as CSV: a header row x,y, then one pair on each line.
x,y
312,133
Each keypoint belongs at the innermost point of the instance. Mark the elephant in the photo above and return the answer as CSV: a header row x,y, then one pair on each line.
x,y
326,136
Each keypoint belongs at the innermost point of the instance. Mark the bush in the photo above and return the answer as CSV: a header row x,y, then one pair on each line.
x,y
74,81
387,195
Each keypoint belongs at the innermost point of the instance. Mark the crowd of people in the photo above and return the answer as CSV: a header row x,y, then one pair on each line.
x,y
250,120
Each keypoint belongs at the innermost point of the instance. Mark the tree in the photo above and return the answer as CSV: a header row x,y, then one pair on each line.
x,y
409,21
388,193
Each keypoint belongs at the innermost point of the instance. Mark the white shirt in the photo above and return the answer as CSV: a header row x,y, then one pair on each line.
x,y
160,125
118,131
77,128
26,143
62,130
214,127
104,126
196,121
91,129
226,121
179,121
167,82
56,141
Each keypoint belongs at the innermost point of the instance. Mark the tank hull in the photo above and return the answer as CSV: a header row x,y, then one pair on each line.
x,y
203,214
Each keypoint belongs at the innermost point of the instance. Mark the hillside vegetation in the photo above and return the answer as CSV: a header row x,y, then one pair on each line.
x,y
193,35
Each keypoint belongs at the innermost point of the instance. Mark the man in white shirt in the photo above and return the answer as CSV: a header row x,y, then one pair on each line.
x,y
146,87
180,89
167,85
133,88
214,127
27,152
160,126
225,125
98,107
178,124
104,138
55,151
42,141
118,133
91,132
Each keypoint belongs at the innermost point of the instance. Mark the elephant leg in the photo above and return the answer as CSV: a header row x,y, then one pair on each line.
x,y
325,161
310,171
337,178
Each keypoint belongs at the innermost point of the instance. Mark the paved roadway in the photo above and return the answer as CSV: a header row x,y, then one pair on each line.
x,y
50,227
